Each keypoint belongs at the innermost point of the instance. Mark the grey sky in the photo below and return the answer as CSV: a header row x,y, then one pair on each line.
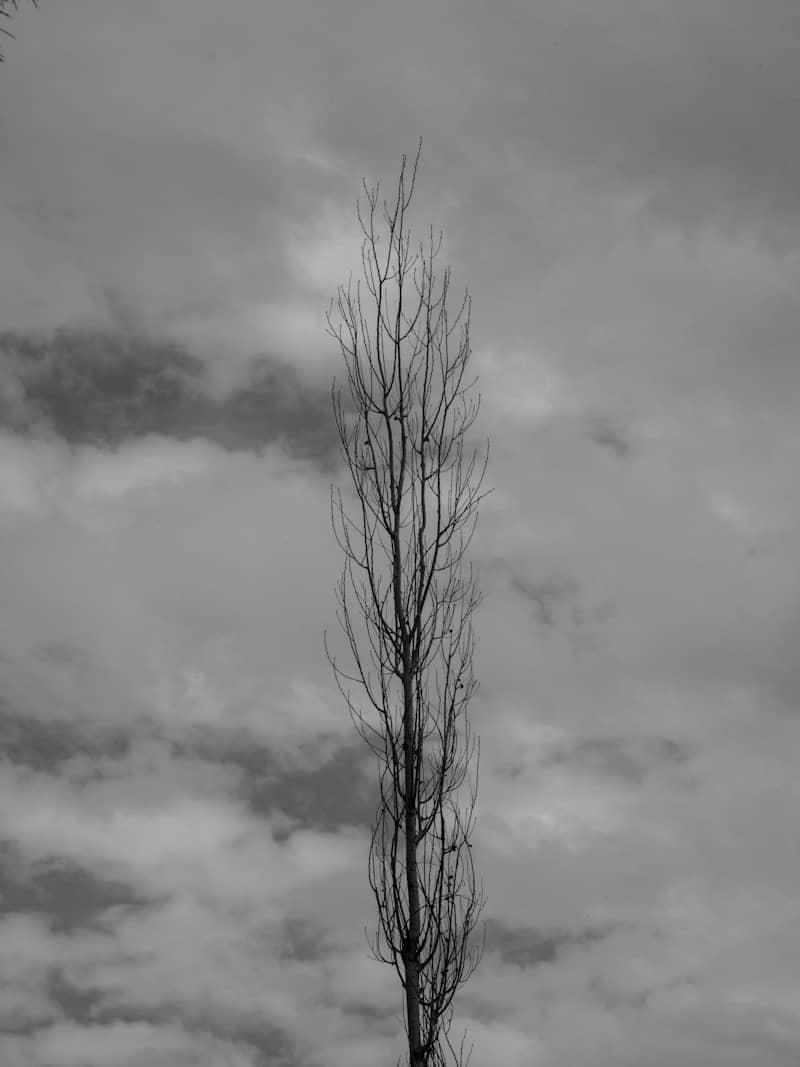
x,y
184,810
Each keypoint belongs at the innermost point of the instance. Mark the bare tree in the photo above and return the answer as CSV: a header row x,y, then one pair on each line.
x,y
13,5
406,599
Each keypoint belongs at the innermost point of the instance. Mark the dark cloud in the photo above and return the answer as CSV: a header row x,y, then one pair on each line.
x,y
108,388
374,1017
612,434
527,946
326,795
627,760
604,756
72,898
560,604
271,1044
304,939
548,596
84,1001
41,745
64,654
76,1003
86,1006
332,795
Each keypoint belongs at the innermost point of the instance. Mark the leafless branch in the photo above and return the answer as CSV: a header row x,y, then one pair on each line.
x,y
6,7
406,598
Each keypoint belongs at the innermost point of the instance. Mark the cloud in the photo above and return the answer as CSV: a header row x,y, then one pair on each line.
x,y
109,388
526,947
152,936
185,808
609,433
125,1044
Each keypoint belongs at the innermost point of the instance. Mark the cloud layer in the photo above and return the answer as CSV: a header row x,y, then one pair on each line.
x,y
184,806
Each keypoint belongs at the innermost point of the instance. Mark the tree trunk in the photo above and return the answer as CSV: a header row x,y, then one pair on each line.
x,y
411,956
417,490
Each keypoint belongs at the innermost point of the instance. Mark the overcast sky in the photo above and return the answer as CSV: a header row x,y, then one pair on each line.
x,y
184,805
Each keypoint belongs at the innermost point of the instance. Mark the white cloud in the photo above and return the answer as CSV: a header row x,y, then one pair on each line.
x,y
39,476
520,384
138,825
144,464
122,1044
324,250
29,475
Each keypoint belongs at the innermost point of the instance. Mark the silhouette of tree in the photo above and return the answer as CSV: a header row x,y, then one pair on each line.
x,y
406,599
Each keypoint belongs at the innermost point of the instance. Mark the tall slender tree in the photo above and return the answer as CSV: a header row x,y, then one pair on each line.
x,y
406,598
6,7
